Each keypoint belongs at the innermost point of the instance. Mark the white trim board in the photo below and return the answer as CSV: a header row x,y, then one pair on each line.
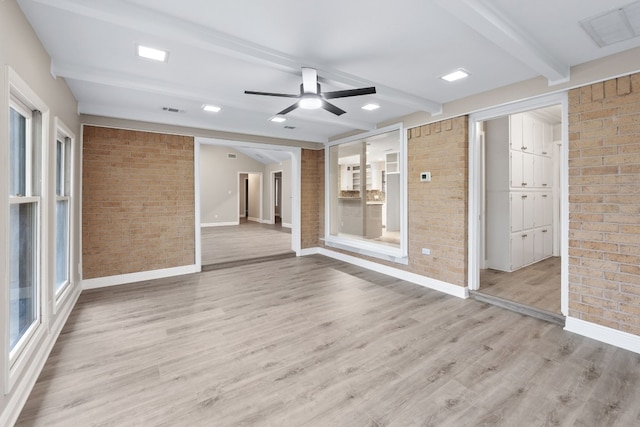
x,y
427,282
102,282
24,387
219,224
603,334
286,225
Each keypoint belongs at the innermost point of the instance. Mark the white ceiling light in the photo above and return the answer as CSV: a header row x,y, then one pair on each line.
x,y
371,107
456,75
278,119
310,102
152,53
211,108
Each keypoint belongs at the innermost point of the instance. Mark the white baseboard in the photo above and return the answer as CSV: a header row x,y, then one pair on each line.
x,y
219,224
122,279
287,225
23,388
308,251
427,282
604,334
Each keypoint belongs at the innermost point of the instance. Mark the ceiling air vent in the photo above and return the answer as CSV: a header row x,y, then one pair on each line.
x,y
172,110
231,156
289,127
614,26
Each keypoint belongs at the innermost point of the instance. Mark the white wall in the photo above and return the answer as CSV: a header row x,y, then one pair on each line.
x,y
255,196
219,182
285,167
21,50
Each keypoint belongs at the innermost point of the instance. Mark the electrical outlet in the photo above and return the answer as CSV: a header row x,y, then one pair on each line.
x,y
426,251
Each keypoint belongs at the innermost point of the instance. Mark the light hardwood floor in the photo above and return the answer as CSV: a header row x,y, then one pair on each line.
x,y
245,241
537,285
316,342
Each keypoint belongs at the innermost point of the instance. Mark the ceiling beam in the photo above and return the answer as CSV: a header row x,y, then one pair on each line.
x,y
144,84
496,27
147,20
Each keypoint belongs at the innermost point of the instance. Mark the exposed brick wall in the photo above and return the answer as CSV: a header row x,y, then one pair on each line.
x,y
312,198
138,210
604,198
438,209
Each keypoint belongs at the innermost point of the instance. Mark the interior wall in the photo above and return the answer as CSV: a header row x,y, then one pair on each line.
x,y
604,203
219,184
243,191
138,202
311,198
255,199
285,167
21,50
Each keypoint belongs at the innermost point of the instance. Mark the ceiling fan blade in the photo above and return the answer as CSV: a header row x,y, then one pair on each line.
x,y
349,92
332,108
282,95
288,109
309,80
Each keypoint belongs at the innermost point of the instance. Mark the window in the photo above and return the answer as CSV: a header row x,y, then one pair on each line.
x,y
366,193
24,223
63,204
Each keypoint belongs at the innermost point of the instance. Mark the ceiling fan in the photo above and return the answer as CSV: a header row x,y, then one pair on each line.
x,y
311,97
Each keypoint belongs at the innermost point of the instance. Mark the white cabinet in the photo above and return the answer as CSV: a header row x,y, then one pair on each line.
x,y
519,191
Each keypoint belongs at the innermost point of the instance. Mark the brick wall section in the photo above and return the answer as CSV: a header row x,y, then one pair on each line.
x,y
312,198
138,210
438,209
604,198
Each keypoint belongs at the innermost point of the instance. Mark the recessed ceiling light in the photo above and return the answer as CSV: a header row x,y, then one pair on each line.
x,y
211,108
456,75
371,107
152,53
278,119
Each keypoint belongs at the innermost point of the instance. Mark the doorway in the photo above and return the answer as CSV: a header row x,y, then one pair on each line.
x,y
276,202
518,202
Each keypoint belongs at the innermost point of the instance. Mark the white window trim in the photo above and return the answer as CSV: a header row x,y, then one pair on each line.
x,y
17,361
63,132
369,248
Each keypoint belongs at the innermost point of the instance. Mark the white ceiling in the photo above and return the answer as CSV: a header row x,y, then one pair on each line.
x,y
217,50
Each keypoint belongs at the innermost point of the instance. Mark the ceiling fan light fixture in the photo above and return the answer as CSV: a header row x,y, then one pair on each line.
x,y
456,75
310,102
152,53
278,119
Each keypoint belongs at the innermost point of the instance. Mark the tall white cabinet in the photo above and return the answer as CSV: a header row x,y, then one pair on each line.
x,y
519,191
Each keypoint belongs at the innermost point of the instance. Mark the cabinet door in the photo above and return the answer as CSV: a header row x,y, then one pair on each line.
x,y
538,244
547,209
515,131
516,251
527,134
516,212
527,247
516,168
548,242
538,137
528,210
538,171
547,172
527,169
547,140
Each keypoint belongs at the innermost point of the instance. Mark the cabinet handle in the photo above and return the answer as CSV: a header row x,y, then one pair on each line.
x,y
523,148
544,195
544,231
544,152
524,235
524,197
524,184
544,185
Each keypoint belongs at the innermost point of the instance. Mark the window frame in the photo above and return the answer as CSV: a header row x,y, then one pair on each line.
x,y
17,359
67,138
362,246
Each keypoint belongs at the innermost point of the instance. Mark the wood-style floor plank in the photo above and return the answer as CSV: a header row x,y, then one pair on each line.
x,y
245,241
316,342
537,285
